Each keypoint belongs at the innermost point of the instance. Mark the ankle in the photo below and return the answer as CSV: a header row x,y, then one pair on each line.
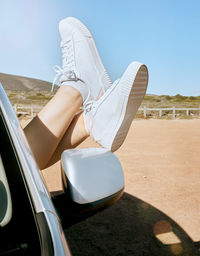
x,y
71,94
79,86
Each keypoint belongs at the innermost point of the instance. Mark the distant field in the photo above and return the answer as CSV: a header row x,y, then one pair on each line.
x,y
29,98
164,101
40,98
29,91
150,101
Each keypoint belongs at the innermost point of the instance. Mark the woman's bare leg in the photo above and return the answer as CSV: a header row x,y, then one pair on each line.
x,y
46,130
74,135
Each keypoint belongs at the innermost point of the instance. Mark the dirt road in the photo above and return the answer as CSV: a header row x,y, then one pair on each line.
x,y
161,161
159,213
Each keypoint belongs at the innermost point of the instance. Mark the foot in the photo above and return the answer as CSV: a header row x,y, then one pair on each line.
x,y
81,63
108,119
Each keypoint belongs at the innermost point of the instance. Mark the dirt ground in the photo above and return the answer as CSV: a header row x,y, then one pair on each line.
x,y
159,213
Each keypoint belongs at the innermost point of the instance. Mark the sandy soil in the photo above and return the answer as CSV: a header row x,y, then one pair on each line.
x,y
159,213
161,163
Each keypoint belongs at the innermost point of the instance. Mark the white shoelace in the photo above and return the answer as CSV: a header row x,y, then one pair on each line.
x,y
87,107
91,104
68,64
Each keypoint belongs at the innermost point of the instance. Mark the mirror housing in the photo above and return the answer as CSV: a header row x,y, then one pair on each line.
x,y
93,179
92,174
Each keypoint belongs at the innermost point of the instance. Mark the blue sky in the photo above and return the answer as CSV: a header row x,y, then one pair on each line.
x,y
164,34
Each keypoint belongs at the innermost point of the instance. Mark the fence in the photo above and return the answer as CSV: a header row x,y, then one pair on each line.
x,y
32,110
173,110
27,110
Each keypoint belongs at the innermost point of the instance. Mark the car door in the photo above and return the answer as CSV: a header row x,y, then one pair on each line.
x,y
29,224
19,232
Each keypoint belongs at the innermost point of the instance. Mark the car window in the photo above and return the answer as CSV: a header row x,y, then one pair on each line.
x,y
5,198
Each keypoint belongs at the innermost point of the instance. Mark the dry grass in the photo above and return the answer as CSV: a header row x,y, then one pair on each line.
x,y
29,98
150,101
166,101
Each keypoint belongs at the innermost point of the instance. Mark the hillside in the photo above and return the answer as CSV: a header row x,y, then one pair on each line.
x,y
23,84
29,91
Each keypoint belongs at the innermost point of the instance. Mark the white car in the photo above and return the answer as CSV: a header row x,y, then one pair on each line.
x,y
31,222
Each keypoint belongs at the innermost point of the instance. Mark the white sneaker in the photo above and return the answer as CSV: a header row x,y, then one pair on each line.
x,y
80,58
108,119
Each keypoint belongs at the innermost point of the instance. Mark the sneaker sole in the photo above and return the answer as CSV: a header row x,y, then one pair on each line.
x,y
105,79
133,89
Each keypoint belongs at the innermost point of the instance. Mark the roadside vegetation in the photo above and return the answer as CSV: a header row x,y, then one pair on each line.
x,y
166,101
29,98
32,98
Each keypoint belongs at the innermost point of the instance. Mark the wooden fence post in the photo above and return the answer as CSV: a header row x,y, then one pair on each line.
x,y
160,113
15,108
174,112
31,112
145,111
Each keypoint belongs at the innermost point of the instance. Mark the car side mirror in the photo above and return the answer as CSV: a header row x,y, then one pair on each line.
x,y
92,174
